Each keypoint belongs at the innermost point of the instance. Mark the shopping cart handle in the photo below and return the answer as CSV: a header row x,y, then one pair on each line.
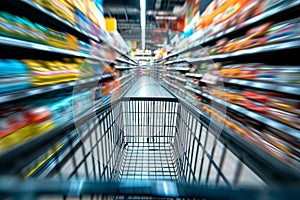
x,y
32,188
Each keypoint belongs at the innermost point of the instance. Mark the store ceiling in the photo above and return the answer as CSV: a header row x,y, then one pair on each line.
x,y
127,13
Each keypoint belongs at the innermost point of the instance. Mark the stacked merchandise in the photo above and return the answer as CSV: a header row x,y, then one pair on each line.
x,y
49,86
21,28
22,121
260,95
15,77
22,74
268,33
54,72
222,17
85,14
225,17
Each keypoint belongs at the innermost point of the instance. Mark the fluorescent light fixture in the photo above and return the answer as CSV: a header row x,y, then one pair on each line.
x,y
143,21
143,13
166,17
143,39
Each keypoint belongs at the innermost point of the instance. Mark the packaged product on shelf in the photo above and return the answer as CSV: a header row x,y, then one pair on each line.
x,y
51,72
255,135
285,117
251,9
42,120
14,76
84,47
22,123
288,74
15,125
284,102
284,109
271,4
95,15
61,8
259,31
235,96
261,72
36,116
284,30
81,17
281,141
22,28
81,102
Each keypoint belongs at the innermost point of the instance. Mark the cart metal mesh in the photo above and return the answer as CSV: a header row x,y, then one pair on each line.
x,y
137,139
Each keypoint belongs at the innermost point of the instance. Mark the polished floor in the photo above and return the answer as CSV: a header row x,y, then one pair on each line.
x,y
147,86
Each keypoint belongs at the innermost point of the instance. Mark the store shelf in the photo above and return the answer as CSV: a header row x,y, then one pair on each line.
x,y
258,117
120,86
194,75
63,24
254,20
175,61
179,68
5,41
122,53
174,86
177,78
4,98
124,67
246,52
193,90
52,17
102,60
259,154
125,61
278,87
126,76
247,24
294,133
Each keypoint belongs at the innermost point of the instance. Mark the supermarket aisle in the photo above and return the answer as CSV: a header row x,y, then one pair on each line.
x,y
147,86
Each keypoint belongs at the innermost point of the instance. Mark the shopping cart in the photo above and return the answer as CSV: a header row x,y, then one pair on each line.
x,y
142,148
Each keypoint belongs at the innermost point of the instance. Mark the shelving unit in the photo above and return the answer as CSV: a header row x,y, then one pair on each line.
x,y
125,61
4,41
38,51
289,89
179,69
176,78
265,16
124,67
6,97
265,120
246,52
193,90
282,46
53,16
200,129
271,60
194,75
49,17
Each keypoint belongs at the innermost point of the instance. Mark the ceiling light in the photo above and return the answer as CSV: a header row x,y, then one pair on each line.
x,y
143,13
143,21
165,17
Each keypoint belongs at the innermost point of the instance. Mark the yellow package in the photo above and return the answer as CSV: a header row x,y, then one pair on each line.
x,y
62,9
16,137
43,127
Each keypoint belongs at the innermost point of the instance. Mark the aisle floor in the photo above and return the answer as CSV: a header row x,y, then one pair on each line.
x,y
147,86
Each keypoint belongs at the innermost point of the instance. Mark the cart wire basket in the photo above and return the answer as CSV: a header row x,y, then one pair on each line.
x,y
143,148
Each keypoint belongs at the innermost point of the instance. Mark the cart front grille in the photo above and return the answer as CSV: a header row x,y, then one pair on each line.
x,y
144,139
148,139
